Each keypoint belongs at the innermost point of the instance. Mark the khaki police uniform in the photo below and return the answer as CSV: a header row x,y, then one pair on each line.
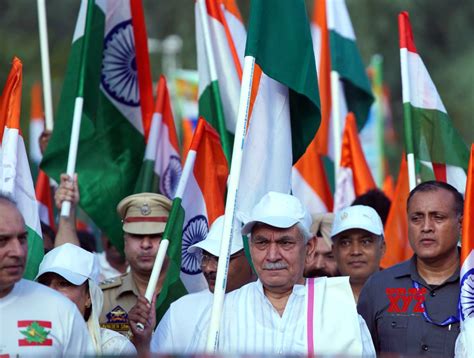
x,y
120,295
141,214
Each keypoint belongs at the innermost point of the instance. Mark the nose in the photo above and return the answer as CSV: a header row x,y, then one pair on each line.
x,y
146,242
15,248
355,249
319,261
273,252
209,267
426,227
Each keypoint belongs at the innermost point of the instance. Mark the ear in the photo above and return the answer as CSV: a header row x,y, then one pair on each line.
x,y
310,248
383,248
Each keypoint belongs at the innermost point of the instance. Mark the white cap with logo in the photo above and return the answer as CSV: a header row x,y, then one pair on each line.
x,y
357,217
278,210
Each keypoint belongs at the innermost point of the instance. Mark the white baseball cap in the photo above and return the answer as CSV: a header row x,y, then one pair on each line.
x,y
278,210
357,217
212,242
71,262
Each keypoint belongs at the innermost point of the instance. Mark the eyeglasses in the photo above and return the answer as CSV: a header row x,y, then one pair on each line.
x,y
207,258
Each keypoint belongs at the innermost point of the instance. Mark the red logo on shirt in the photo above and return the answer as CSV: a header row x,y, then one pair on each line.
x,y
400,299
35,333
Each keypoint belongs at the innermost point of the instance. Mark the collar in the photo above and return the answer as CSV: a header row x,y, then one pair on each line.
x,y
408,269
298,289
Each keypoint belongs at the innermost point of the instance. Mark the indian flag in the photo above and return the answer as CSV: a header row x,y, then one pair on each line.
x,y
198,202
284,103
44,196
355,177
109,56
429,133
335,49
219,65
161,167
15,175
466,301
36,123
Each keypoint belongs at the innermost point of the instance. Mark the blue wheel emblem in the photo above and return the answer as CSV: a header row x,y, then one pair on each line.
x,y
171,176
195,231
119,68
467,295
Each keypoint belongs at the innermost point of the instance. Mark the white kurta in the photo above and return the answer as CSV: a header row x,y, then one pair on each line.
x,y
40,312
251,325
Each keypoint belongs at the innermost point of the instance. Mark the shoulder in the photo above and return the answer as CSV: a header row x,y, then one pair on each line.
x,y
112,282
384,277
37,292
190,300
114,343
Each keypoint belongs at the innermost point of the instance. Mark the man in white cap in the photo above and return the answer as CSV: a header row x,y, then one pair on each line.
x,y
177,329
357,234
73,272
282,313
34,320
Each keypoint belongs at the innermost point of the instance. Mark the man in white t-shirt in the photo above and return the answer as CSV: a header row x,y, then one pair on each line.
x,y
35,320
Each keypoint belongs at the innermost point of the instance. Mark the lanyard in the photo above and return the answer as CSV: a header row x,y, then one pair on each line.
x,y
448,321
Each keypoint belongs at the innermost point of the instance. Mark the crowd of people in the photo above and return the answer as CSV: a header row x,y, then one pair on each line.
x,y
310,285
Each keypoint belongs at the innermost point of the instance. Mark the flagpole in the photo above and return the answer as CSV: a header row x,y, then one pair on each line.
x,y
44,48
408,128
377,63
336,122
78,106
233,184
221,127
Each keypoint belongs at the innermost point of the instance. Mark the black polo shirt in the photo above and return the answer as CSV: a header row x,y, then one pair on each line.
x,y
390,305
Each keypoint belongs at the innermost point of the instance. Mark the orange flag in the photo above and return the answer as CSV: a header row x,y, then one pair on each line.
x,y
467,245
396,227
354,176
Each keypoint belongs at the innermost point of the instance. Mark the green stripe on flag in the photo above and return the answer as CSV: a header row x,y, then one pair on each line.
x,y
210,107
148,181
346,60
435,139
280,40
35,254
172,288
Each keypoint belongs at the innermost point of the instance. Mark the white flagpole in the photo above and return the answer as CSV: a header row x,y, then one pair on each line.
x,y
336,122
233,184
407,121
44,48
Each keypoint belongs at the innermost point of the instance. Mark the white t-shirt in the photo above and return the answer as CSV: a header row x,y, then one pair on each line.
x,y
38,321
177,328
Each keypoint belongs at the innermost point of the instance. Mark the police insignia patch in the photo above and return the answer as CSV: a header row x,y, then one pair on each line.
x,y
117,315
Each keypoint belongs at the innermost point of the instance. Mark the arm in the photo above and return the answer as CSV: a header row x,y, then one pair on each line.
x,y
366,308
67,190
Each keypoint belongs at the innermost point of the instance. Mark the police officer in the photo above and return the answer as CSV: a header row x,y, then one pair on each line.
x,y
144,219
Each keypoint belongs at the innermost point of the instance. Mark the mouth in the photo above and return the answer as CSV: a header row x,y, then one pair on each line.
x,y
357,264
427,242
146,258
13,269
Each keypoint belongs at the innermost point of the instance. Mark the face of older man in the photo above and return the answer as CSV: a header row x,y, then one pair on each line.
x,y
13,246
358,254
433,225
278,256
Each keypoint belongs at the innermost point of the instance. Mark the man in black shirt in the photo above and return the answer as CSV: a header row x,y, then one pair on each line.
x,y
412,308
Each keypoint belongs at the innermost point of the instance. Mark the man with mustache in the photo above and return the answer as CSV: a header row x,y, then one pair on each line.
x,y
357,234
144,219
412,308
282,313
35,320
322,261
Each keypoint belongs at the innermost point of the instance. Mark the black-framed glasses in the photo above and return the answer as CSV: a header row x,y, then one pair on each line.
x,y
207,258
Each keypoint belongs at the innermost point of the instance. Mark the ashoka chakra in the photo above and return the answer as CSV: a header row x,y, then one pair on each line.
x,y
171,176
119,68
195,231
467,295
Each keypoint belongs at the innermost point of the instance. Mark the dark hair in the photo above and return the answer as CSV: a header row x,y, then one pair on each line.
x,y
434,185
87,240
376,199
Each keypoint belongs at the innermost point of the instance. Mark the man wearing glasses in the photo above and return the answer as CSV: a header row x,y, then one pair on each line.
x,y
177,331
